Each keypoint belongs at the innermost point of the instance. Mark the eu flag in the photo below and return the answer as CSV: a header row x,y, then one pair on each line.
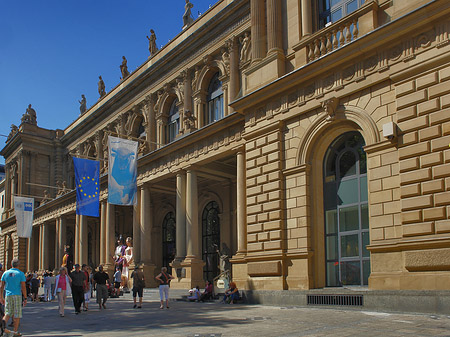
x,y
87,186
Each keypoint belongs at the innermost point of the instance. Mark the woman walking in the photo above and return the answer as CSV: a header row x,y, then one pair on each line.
x,y
164,280
62,288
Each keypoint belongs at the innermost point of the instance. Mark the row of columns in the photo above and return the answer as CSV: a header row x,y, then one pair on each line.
x,y
266,28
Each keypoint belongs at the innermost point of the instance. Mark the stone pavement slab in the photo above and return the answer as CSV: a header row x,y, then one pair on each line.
x,y
214,319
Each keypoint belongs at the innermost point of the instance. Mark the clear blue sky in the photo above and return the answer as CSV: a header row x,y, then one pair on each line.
x,y
52,51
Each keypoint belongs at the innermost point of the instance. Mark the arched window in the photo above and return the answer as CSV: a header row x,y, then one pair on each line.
x,y
214,100
168,240
141,130
210,240
173,122
346,212
333,10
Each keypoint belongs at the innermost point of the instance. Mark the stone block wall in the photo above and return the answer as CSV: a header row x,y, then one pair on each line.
x,y
423,107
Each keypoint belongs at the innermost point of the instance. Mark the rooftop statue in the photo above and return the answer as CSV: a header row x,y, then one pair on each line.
x,y
187,16
29,116
82,104
46,197
101,87
14,130
124,68
152,48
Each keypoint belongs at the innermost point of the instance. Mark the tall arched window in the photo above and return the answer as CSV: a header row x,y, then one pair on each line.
x,y
168,239
346,212
214,100
334,10
173,122
210,240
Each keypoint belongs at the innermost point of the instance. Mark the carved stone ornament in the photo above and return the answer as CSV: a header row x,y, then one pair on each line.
x,y
330,105
14,130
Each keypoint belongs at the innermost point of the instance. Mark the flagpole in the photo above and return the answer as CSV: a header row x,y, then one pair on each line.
x,y
56,188
87,157
138,139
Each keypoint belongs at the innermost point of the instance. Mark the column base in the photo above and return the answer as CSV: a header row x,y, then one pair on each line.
x,y
188,273
149,270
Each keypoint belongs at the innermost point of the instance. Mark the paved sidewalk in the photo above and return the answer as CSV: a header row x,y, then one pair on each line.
x,y
214,319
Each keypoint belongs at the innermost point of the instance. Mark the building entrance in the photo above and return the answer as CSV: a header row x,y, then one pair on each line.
x,y
346,212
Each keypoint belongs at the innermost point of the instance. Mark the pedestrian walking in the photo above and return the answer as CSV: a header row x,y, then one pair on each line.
x,y
164,280
138,285
47,283
53,284
13,283
101,279
62,285
35,287
87,288
78,278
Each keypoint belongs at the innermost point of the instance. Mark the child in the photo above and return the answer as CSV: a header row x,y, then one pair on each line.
x,y
117,281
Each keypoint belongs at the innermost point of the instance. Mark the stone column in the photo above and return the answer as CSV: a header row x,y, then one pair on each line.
x,y
76,250
274,26
151,121
241,203
7,188
181,217
62,230
234,70
258,19
110,232
192,230
146,237
29,254
146,225
45,247
137,228
103,222
83,251
306,17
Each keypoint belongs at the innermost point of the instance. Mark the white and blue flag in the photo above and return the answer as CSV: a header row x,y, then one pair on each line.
x,y
122,171
23,207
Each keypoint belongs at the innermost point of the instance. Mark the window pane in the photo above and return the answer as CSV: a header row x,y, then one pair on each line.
x,y
366,272
332,250
347,164
362,161
352,6
348,219
330,201
336,15
349,245
348,192
363,188
331,221
365,216
332,274
334,2
365,242
351,273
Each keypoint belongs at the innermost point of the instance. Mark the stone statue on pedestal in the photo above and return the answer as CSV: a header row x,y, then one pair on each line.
x,y
82,104
29,116
187,16
124,68
152,48
14,130
46,197
101,87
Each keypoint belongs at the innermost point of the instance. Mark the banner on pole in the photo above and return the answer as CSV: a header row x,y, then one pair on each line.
x,y
87,182
24,208
122,171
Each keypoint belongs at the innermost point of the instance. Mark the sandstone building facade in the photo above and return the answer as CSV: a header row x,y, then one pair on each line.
x,y
311,138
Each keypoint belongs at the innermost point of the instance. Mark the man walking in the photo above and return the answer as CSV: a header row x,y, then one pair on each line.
x,y
13,283
78,280
100,279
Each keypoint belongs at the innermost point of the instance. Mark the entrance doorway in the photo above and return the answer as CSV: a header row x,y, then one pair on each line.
x,y
346,212
210,240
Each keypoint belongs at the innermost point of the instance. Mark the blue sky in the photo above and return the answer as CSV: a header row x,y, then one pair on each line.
x,y
52,51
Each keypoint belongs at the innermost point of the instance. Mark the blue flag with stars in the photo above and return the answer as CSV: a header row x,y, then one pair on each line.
x,y
87,173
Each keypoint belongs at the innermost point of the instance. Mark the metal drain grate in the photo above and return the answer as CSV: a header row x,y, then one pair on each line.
x,y
341,300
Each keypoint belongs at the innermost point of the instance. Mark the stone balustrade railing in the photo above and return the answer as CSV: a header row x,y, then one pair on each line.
x,y
339,33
